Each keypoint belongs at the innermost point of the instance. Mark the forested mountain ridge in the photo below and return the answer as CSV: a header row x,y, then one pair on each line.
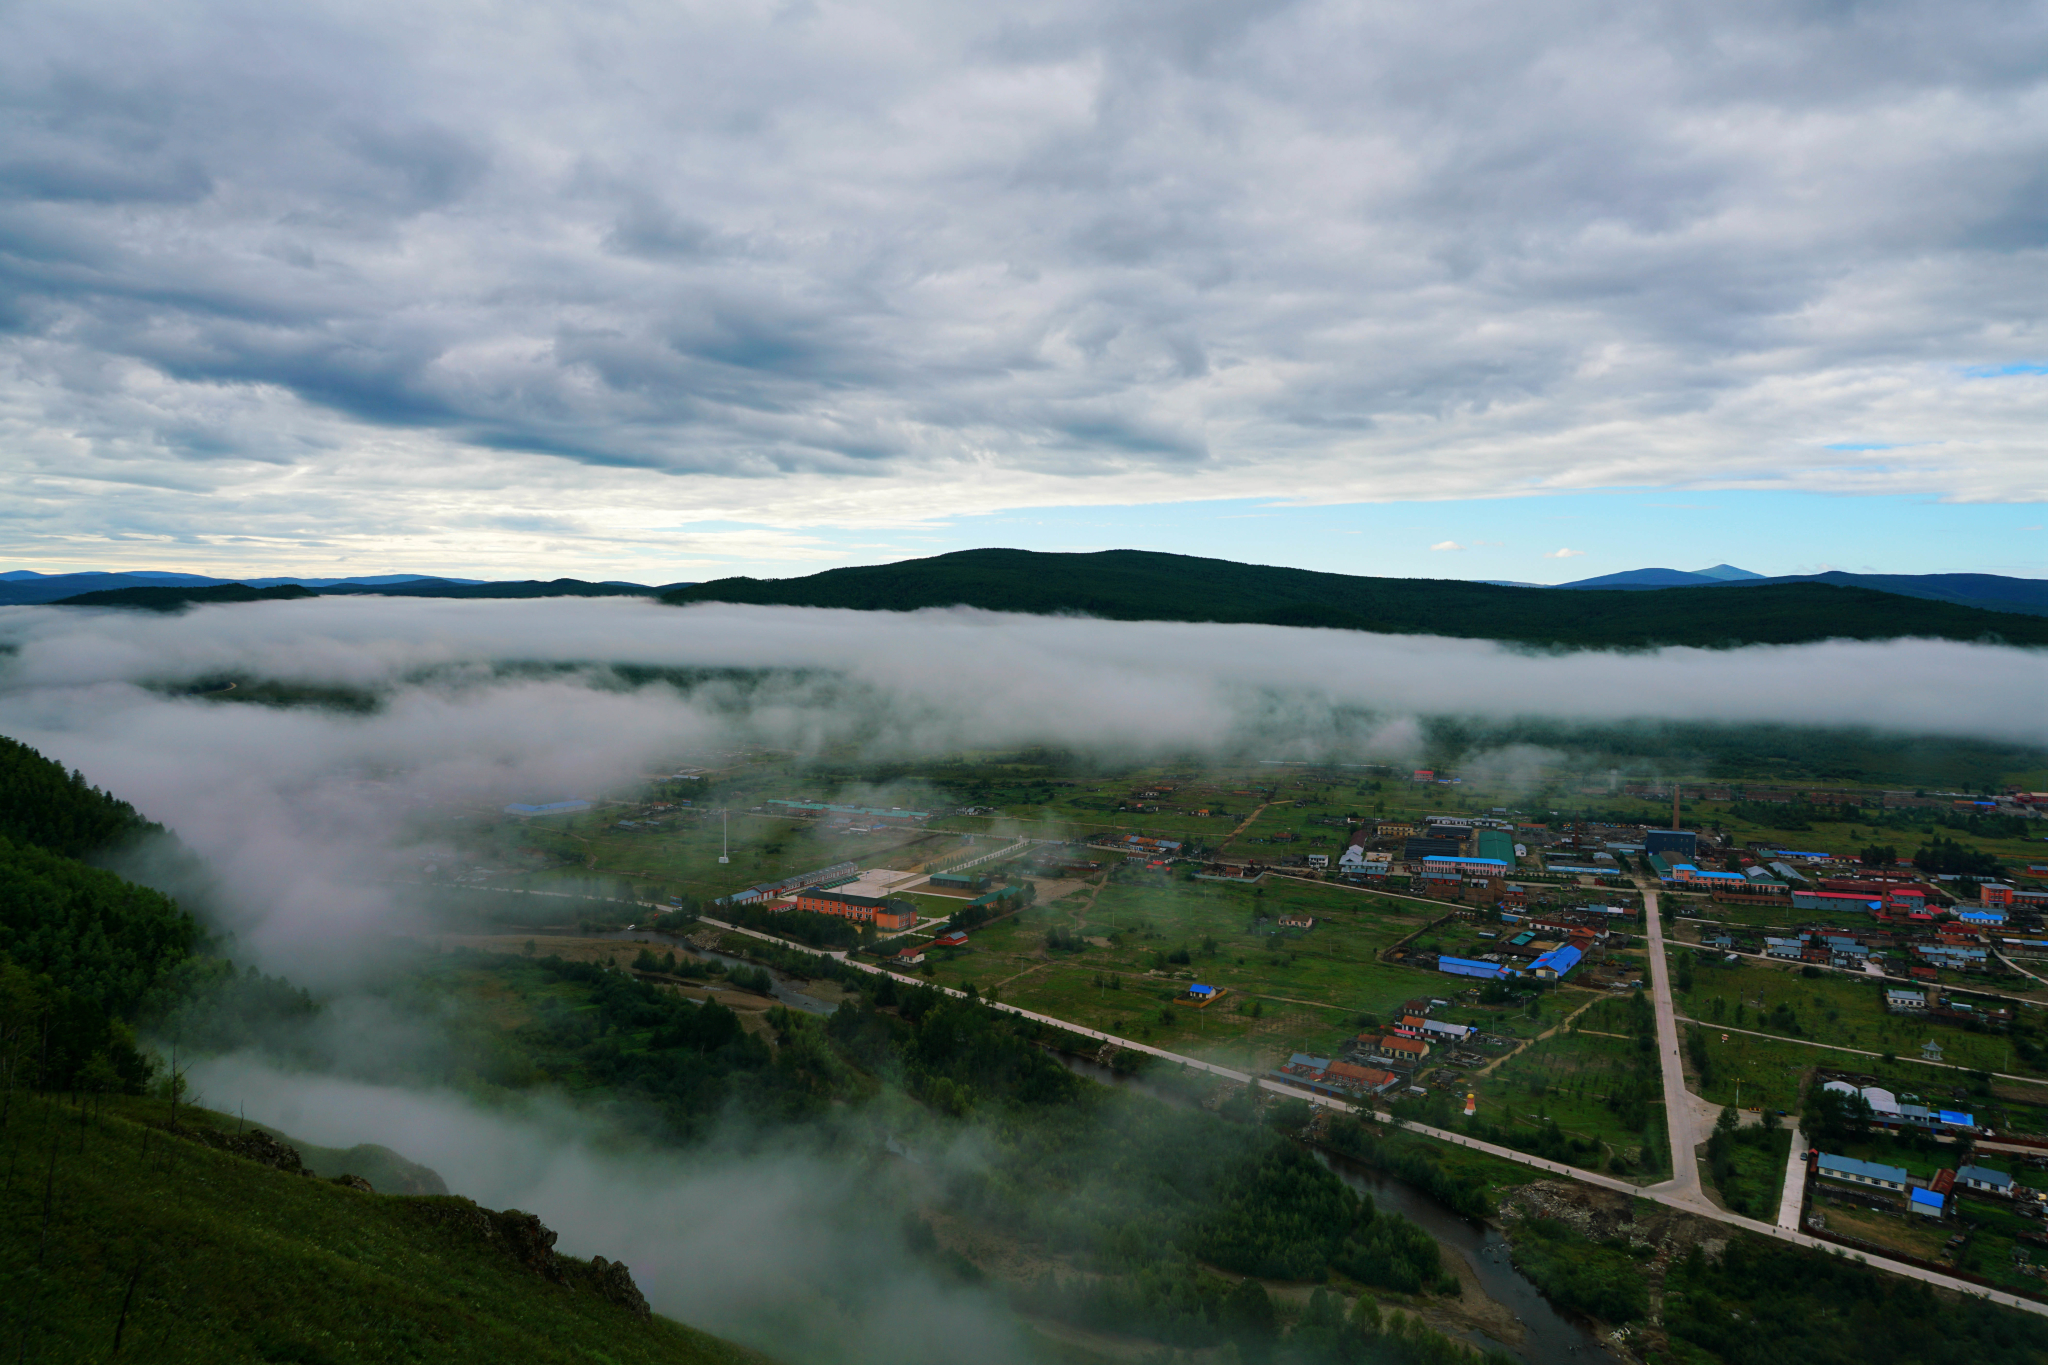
x,y
179,597
1139,585
80,948
43,805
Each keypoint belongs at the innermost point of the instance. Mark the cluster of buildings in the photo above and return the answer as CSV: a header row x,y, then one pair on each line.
x,y
1931,1197
1887,1112
1379,1060
1349,1080
1920,951
1822,881
836,875
1546,946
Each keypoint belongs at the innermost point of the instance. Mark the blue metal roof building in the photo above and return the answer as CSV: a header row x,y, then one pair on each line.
x,y
1558,961
1861,1172
1462,966
1926,1202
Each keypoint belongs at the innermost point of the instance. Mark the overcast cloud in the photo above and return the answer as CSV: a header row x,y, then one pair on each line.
x,y
490,281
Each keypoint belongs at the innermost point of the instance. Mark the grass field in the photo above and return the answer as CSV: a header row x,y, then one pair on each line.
x,y
1754,917
1586,1081
1906,1232
1831,1008
1995,1250
1282,994
1757,1177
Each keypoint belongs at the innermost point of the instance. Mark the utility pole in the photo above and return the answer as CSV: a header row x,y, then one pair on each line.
x,y
724,827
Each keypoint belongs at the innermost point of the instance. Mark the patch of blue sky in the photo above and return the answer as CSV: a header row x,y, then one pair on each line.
x,y
2007,371
1507,539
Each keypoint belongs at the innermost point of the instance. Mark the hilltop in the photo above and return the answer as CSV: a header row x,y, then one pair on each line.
x,y
1139,585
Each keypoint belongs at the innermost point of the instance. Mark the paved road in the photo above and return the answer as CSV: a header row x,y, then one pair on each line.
x,y
1672,1193
1794,1193
1684,1184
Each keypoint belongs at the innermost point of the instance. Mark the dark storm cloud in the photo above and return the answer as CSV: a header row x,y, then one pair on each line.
x,y
1407,249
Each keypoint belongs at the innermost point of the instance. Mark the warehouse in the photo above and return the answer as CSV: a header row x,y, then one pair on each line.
x,y
1449,868
1861,1172
1461,966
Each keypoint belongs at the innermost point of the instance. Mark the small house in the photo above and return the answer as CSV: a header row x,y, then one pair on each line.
x,y
1985,1179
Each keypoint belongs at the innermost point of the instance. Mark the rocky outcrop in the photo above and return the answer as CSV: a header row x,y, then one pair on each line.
x,y
353,1182
614,1282
531,1243
255,1145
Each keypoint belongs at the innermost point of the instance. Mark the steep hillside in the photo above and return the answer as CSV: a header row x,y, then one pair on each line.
x,y
1136,585
202,1242
43,805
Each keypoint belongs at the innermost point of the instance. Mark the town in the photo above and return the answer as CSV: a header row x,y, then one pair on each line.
x,y
1850,979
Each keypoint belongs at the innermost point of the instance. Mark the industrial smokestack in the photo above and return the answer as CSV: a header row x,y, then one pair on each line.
x,y
1674,806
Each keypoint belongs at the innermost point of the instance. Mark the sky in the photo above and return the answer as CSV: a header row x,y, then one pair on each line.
x,y
670,292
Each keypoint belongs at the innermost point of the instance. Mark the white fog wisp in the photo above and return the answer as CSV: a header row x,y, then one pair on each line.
x,y
306,813
777,1250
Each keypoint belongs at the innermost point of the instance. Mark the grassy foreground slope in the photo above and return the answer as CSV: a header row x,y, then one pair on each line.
x,y
1139,585
217,1257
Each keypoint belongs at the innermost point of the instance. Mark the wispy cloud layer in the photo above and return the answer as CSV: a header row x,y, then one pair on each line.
x,y
344,279
306,812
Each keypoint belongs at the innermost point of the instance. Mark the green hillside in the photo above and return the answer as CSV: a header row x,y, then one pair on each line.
x,y
192,1252
1138,585
527,587
177,599
42,804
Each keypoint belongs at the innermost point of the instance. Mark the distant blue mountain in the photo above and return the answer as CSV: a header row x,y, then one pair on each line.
x,y
1984,591
1651,578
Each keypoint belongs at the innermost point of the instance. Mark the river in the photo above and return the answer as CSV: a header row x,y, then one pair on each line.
x,y
1551,1338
